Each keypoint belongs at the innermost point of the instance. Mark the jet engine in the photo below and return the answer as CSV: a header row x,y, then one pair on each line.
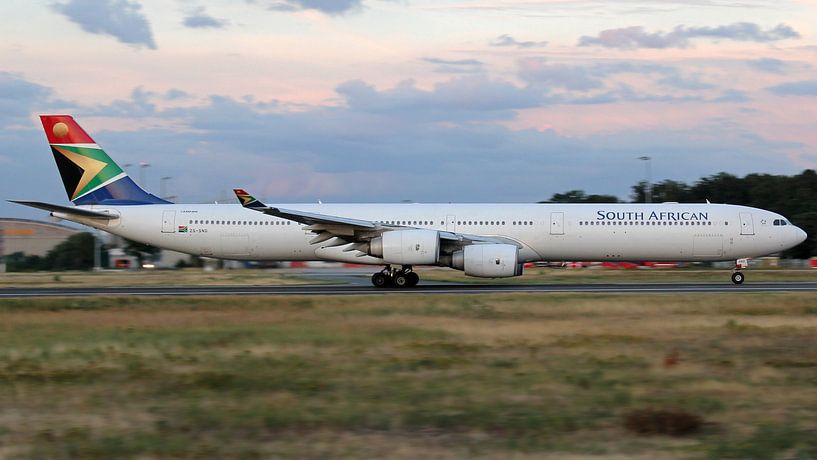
x,y
488,260
407,247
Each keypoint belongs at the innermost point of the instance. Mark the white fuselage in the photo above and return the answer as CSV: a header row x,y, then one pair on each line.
x,y
597,232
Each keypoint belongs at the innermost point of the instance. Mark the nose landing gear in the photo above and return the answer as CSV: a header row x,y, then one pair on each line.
x,y
737,274
403,277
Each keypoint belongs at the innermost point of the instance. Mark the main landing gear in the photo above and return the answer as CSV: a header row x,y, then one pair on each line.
x,y
393,277
737,274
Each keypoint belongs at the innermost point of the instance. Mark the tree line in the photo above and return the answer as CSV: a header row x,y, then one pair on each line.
x,y
75,253
792,196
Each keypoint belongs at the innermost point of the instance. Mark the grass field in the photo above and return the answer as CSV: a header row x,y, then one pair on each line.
x,y
438,377
185,277
651,275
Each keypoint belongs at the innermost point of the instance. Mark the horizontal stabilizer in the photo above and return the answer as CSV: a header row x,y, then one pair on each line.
x,y
65,209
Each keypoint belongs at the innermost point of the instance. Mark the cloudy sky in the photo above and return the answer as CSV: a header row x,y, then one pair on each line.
x,y
428,100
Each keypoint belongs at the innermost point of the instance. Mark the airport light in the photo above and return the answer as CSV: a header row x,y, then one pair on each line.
x,y
648,185
163,186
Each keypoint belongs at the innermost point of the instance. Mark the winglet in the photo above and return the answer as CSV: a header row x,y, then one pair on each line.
x,y
247,200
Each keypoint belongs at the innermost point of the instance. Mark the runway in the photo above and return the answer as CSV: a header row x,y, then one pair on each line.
x,y
449,289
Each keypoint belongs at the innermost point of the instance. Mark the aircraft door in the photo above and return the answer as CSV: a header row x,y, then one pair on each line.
x,y
557,223
169,222
451,223
747,226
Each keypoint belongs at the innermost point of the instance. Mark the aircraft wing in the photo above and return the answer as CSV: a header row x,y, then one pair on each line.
x,y
351,230
65,209
307,218
310,218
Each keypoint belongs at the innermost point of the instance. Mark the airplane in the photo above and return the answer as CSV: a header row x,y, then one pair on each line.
x,y
482,240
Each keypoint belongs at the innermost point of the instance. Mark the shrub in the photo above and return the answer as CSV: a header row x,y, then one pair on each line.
x,y
662,422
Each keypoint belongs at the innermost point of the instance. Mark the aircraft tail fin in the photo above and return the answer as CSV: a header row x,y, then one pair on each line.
x,y
247,200
89,175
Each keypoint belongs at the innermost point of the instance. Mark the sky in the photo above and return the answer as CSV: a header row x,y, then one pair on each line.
x,y
390,100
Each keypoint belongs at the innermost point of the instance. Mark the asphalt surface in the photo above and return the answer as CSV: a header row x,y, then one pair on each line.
x,y
359,289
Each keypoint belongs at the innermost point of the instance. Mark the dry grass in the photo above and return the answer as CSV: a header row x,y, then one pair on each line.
x,y
186,277
646,275
501,376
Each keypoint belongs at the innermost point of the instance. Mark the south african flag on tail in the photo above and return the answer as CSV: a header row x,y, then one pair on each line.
x,y
247,200
89,175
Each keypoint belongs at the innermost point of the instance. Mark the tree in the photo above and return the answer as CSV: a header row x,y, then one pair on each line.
x,y
19,262
75,253
579,196
670,190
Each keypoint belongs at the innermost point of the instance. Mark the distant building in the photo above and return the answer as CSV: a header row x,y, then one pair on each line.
x,y
32,237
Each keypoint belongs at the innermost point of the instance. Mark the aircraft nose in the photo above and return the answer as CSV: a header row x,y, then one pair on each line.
x,y
801,235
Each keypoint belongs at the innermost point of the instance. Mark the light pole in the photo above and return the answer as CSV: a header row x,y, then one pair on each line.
x,y
648,185
143,165
2,255
163,186
97,251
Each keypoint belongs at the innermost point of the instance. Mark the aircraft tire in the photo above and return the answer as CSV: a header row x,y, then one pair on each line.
x,y
401,280
738,278
380,280
414,278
